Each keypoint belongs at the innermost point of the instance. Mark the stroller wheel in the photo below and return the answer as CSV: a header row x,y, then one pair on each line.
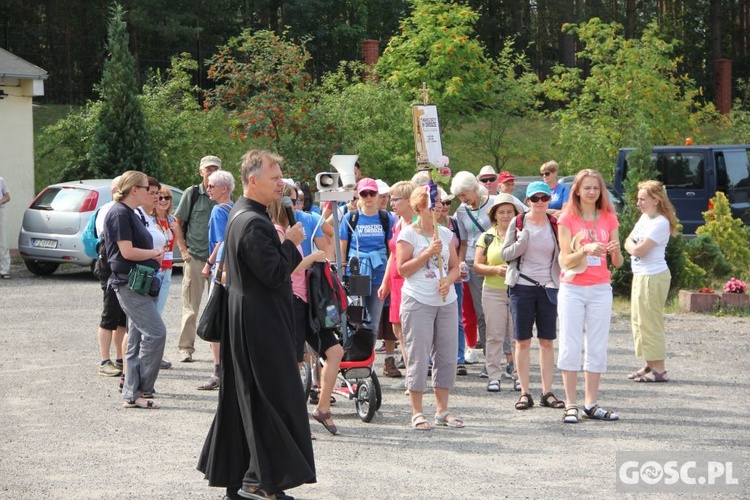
x,y
378,392
366,401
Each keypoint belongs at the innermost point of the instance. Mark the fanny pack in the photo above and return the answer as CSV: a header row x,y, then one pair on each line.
x,y
142,281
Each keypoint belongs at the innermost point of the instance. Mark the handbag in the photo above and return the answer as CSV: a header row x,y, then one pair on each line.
x,y
140,278
359,345
213,322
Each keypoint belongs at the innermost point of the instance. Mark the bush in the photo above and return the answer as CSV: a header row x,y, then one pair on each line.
x,y
706,255
730,234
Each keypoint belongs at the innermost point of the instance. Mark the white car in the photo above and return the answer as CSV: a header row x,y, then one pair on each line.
x,y
53,225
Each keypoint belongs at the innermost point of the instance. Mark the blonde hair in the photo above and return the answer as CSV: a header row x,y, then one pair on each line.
x,y
655,189
550,166
403,189
418,200
164,190
604,203
129,180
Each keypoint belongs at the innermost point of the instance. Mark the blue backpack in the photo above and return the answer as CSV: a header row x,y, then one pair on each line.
x,y
90,238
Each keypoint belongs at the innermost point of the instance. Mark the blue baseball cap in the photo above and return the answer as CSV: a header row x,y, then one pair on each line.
x,y
538,187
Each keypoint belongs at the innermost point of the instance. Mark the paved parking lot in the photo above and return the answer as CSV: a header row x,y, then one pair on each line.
x,y
64,433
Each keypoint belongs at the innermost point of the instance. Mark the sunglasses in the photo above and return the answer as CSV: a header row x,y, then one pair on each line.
x,y
165,198
485,180
367,194
547,174
543,197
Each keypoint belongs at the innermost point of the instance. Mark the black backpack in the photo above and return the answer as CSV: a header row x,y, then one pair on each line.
x,y
194,193
325,296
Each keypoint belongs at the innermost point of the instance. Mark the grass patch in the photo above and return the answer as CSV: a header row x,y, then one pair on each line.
x,y
621,306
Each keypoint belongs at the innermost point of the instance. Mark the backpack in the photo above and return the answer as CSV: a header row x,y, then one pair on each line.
x,y
194,193
385,221
325,296
90,238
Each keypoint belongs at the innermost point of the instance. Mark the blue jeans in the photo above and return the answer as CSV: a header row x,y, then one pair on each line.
x,y
374,307
458,286
166,282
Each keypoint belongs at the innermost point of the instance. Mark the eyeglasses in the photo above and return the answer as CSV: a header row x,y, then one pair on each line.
x,y
165,198
547,174
154,193
367,194
211,186
491,178
396,199
544,197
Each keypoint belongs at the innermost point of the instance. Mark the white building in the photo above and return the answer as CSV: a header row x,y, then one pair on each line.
x,y
20,82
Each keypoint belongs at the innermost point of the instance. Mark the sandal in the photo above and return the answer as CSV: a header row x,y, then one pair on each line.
x,y
315,397
524,405
446,419
253,491
550,401
146,404
654,376
571,415
5,276
420,423
323,419
639,373
211,384
599,413
517,385
461,370
493,386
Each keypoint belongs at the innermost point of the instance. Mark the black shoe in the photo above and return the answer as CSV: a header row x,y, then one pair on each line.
x,y
253,491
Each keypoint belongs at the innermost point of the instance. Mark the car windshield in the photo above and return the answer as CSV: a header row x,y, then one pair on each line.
x,y
61,199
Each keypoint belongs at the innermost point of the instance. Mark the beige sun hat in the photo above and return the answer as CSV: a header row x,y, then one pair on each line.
x,y
501,199
575,244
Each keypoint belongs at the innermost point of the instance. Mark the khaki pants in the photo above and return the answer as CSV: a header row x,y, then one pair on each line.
x,y
496,305
647,298
193,284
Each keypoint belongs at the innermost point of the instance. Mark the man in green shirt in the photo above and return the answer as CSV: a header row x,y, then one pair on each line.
x,y
193,214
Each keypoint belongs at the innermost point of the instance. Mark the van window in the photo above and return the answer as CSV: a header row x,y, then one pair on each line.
x,y
733,170
681,170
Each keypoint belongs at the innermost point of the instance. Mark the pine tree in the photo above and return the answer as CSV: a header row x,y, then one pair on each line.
x,y
121,140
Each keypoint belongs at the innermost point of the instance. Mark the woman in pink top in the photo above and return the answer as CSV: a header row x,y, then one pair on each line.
x,y
585,298
324,342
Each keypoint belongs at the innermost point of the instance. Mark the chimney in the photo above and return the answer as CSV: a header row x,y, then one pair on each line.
x,y
723,85
370,50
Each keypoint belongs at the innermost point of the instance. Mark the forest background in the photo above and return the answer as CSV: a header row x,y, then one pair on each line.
x,y
516,82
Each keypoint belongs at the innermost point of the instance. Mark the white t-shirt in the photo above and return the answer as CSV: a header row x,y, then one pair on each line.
x,y
656,230
422,286
3,191
101,215
469,229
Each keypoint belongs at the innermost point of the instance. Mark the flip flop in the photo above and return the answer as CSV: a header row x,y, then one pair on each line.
x,y
322,417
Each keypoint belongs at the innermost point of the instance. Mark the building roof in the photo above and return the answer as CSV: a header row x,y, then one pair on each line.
x,y
12,66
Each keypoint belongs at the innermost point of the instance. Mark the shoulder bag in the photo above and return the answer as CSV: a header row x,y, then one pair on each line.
x,y
212,324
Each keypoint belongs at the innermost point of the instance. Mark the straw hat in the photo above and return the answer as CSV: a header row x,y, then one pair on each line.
x,y
575,244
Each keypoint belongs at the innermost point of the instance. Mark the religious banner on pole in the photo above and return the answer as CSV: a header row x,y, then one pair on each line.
x,y
427,145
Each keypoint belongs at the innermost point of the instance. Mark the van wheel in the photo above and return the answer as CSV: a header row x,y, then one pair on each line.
x,y
40,267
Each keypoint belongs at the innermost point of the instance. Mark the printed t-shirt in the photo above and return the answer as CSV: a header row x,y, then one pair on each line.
x,y
369,240
598,230
422,286
559,196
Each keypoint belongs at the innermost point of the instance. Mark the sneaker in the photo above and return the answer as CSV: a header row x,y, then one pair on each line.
x,y
470,357
165,365
510,368
401,384
381,348
118,364
483,373
109,369
389,368
186,357
401,365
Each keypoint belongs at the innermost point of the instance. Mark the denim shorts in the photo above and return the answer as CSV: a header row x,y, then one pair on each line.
x,y
530,305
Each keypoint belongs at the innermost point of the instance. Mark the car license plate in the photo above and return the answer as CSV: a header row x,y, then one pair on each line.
x,y
38,243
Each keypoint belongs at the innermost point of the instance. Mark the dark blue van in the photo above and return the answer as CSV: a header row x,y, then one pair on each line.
x,y
693,174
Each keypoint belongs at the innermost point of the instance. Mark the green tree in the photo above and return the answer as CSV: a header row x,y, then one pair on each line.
x,y
630,85
120,141
729,234
437,45
370,119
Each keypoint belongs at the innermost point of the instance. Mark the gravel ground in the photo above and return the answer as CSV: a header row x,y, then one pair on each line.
x,y
65,434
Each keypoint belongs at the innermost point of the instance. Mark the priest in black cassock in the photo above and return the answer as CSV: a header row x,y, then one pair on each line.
x,y
259,443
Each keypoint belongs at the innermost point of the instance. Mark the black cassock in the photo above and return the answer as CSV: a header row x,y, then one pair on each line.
x,y
261,420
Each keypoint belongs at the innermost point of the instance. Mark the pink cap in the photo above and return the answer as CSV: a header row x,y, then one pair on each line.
x,y
367,184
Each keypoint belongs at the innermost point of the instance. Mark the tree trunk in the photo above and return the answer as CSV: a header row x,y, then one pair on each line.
x,y
630,14
567,46
715,30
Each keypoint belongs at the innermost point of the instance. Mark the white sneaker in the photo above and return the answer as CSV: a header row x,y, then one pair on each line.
x,y
470,356
186,357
